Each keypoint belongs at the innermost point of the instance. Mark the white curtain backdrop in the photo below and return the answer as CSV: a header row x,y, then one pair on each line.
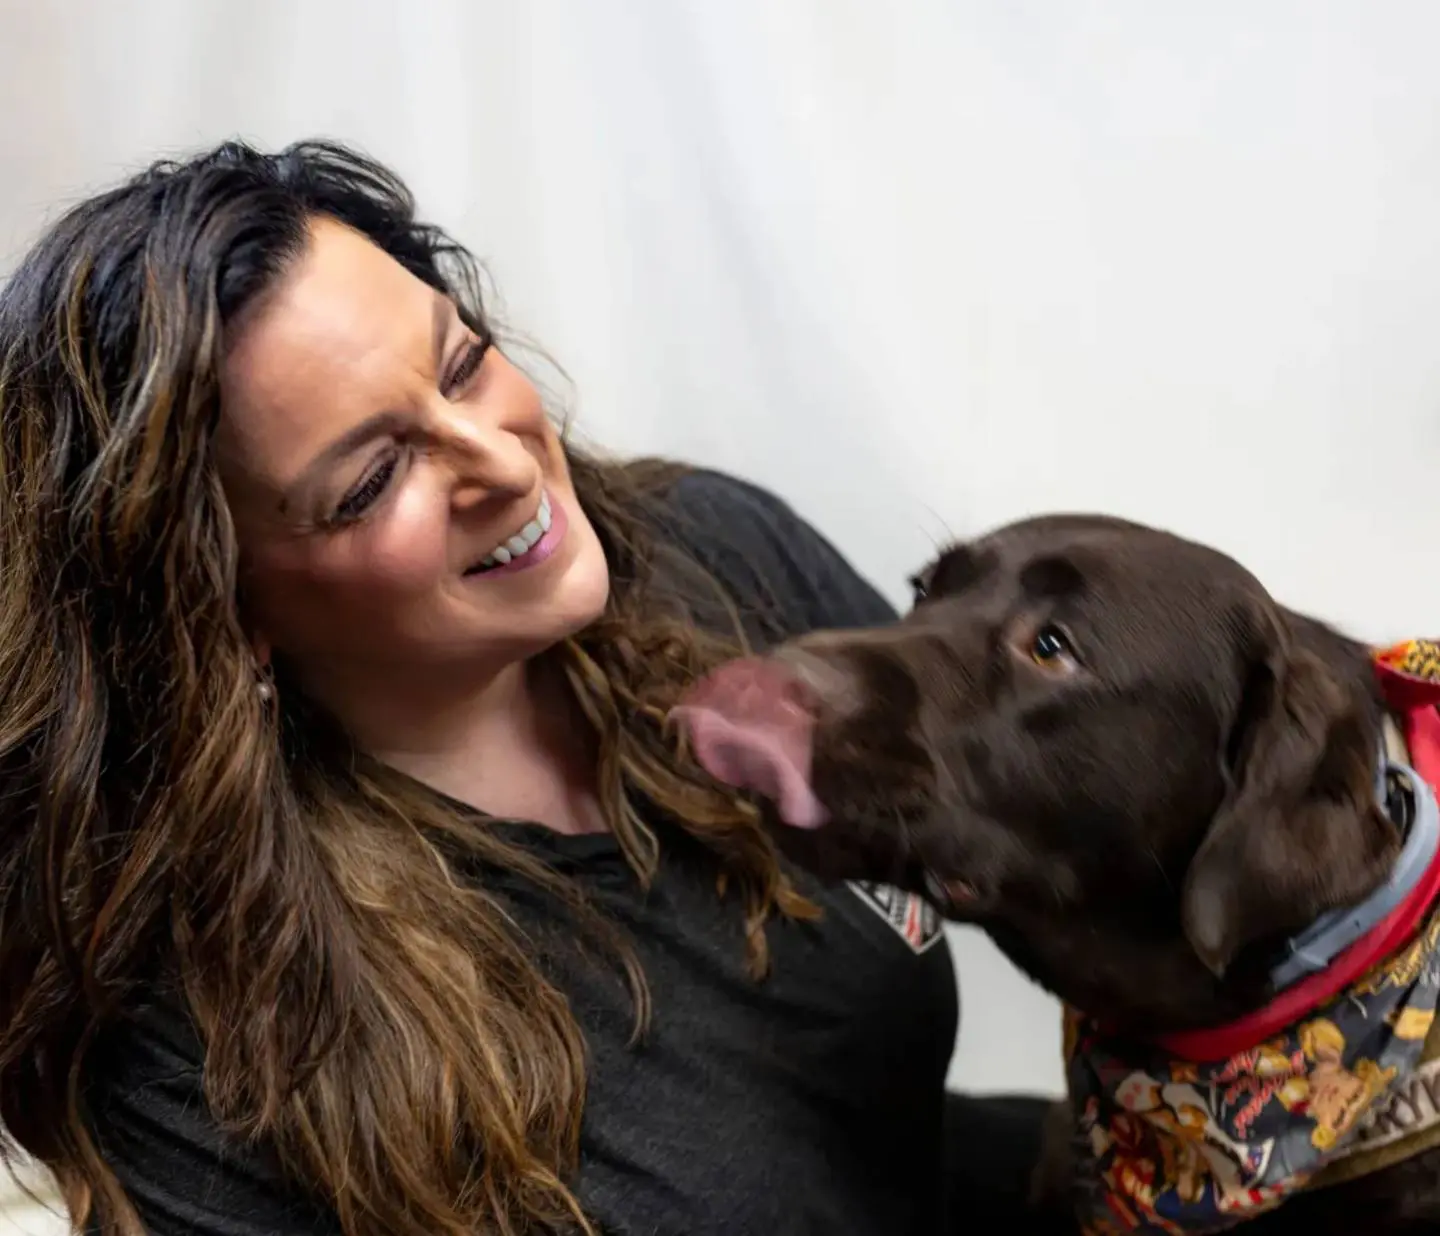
x,y
921,267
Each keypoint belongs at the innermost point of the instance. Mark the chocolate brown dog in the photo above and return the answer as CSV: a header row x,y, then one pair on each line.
x,y
1146,780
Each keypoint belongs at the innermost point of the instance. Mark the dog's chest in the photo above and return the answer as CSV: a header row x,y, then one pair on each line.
x,y
1174,1146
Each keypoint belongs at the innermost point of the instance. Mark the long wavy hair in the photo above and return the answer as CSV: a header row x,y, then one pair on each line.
x,y
367,1010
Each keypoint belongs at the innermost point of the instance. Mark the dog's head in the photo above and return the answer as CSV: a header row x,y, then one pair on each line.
x,y
1106,744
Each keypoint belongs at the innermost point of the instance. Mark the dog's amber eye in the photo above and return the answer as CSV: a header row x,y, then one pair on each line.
x,y
1049,645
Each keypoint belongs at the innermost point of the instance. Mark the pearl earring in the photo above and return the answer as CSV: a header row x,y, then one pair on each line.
x,y
264,690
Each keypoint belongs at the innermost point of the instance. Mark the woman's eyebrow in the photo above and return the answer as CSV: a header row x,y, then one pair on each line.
x,y
374,426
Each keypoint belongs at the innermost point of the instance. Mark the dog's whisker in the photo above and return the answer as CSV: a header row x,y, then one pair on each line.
x,y
1160,867
947,532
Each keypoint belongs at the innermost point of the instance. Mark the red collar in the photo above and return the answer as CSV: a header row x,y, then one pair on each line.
x,y
1418,702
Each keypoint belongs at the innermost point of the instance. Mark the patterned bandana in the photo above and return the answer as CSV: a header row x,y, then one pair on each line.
x,y
1198,1140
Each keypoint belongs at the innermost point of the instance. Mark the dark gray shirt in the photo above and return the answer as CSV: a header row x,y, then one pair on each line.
x,y
811,1102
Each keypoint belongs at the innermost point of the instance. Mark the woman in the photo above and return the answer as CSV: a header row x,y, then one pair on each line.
x,y
351,878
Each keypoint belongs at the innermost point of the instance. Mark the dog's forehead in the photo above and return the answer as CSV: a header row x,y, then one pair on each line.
x,y
1089,536
1091,554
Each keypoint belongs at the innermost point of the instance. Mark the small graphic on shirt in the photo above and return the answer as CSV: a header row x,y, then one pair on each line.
x,y
912,919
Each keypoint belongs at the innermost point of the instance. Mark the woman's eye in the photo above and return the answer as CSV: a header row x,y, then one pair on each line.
x,y
1049,645
469,365
367,492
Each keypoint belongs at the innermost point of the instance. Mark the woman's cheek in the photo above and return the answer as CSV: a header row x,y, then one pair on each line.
x,y
410,543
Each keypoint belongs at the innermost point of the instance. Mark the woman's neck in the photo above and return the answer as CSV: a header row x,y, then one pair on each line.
x,y
513,745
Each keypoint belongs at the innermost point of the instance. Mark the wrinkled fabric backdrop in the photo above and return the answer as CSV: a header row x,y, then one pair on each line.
x,y
920,267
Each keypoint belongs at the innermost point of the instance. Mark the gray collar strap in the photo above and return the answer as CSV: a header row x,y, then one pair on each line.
x,y
1404,796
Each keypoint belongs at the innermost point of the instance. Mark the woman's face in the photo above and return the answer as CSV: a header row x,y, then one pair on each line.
x,y
403,505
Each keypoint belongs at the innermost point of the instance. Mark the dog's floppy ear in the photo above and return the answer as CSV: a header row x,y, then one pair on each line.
x,y
1300,831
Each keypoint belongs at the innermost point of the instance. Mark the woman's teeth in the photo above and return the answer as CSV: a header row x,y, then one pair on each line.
x,y
523,541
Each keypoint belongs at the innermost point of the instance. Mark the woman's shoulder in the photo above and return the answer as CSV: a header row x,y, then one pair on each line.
x,y
716,510
768,558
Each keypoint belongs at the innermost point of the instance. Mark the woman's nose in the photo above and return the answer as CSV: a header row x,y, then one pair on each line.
x,y
488,461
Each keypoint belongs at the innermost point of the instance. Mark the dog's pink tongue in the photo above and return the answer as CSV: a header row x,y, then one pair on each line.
x,y
749,727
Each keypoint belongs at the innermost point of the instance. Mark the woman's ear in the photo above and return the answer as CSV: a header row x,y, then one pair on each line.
x,y
1300,831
